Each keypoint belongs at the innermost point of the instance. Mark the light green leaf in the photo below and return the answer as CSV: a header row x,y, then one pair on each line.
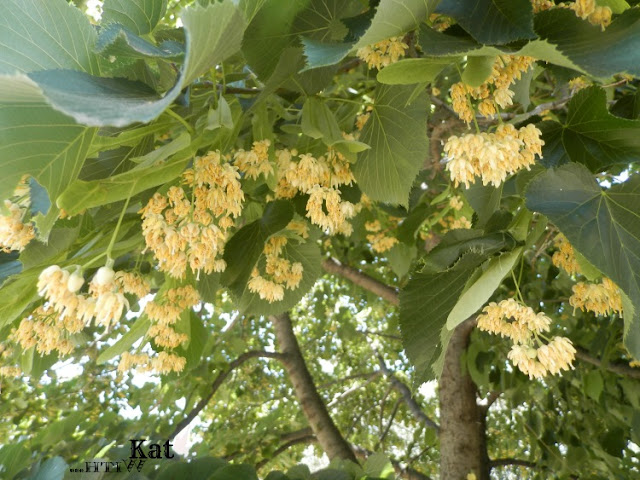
x,y
378,465
13,458
396,133
139,16
16,294
413,70
401,257
479,292
494,22
603,225
220,116
616,6
163,152
318,121
477,70
136,331
590,135
81,195
45,34
395,17
38,253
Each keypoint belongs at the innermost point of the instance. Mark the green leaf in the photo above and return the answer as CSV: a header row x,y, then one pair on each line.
x,y
136,331
16,294
413,70
604,226
494,22
321,54
269,34
45,34
394,17
590,135
52,469
477,70
198,336
479,292
201,467
117,102
456,243
208,285
139,16
401,257
616,6
425,304
308,254
13,458
244,248
593,50
484,199
38,253
396,133
235,472
378,465
318,121
593,384
119,41
81,195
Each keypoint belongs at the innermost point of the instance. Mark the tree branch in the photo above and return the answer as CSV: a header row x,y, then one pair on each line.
x,y
331,265
414,408
619,368
286,446
217,383
504,462
311,402
407,473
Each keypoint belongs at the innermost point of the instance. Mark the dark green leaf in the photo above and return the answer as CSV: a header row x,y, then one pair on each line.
x,y
396,133
590,135
494,22
235,472
318,121
425,304
119,41
243,249
604,226
593,384
484,199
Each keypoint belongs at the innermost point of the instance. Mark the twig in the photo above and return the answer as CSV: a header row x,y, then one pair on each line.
x,y
361,279
618,367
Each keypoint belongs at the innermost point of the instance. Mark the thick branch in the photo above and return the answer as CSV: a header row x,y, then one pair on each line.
x,y
217,383
361,279
284,447
415,409
504,462
619,368
312,405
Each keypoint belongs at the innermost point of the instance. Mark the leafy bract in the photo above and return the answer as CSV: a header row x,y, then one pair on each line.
x,y
413,70
495,22
396,132
590,135
139,16
603,225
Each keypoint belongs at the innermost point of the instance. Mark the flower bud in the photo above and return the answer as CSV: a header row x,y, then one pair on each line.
x,y
75,282
104,276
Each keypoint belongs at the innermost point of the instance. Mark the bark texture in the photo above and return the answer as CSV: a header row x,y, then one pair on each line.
x,y
312,405
462,426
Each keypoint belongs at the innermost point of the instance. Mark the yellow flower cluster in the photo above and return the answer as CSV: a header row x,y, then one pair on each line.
x,y
525,321
494,92
452,223
552,358
105,302
279,273
15,234
526,326
163,363
46,331
600,298
163,312
132,283
565,257
379,241
383,53
184,231
589,10
8,370
540,5
456,203
255,162
166,311
492,156
320,179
